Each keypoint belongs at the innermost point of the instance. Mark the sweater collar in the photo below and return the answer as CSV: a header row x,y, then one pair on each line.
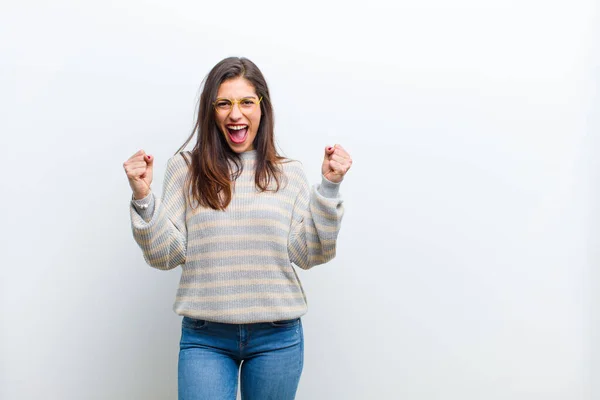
x,y
248,155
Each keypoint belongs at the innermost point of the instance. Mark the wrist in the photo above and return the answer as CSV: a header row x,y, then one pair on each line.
x,y
139,196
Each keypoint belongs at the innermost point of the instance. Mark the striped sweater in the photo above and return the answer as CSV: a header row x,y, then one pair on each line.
x,y
237,264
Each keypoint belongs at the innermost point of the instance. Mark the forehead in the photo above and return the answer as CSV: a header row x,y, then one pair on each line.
x,y
236,88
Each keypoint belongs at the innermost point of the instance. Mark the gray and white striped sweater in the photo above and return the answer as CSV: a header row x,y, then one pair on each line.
x,y
237,264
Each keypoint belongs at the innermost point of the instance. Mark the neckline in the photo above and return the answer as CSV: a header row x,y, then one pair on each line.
x,y
248,155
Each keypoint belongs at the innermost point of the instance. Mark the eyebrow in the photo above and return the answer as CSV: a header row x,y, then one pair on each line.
x,y
245,97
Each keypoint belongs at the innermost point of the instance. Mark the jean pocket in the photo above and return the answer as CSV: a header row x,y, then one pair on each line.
x,y
192,323
285,323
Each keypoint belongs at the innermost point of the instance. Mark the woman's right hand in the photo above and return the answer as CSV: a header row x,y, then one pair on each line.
x,y
139,172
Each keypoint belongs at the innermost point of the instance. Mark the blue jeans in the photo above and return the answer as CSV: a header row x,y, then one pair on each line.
x,y
271,356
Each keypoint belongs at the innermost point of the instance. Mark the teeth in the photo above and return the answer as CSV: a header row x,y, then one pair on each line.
x,y
238,127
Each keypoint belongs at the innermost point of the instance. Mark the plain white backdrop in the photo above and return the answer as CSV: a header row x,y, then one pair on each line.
x,y
466,261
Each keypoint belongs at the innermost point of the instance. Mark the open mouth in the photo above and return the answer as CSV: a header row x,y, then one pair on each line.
x,y
237,133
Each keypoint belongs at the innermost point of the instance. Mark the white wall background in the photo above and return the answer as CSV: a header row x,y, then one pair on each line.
x,y
594,212
465,259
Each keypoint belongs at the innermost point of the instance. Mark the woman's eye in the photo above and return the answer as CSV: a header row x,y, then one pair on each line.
x,y
247,103
223,104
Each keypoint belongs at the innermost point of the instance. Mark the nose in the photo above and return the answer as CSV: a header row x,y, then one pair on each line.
x,y
236,112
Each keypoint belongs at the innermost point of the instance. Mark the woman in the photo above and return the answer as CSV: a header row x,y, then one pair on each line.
x,y
235,215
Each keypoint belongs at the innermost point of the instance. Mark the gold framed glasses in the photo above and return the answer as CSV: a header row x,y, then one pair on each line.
x,y
247,105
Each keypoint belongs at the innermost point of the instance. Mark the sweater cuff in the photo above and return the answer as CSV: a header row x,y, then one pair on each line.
x,y
145,206
329,189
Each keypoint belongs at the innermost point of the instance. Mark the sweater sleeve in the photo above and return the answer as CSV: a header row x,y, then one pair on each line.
x,y
316,221
158,225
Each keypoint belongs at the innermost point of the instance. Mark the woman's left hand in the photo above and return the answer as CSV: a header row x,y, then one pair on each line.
x,y
336,163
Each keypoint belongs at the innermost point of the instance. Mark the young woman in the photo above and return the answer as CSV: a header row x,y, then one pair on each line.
x,y
235,215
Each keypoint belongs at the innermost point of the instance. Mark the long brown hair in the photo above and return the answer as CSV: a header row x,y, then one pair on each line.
x,y
209,177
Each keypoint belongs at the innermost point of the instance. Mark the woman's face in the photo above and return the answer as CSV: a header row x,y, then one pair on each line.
x,y
238,113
